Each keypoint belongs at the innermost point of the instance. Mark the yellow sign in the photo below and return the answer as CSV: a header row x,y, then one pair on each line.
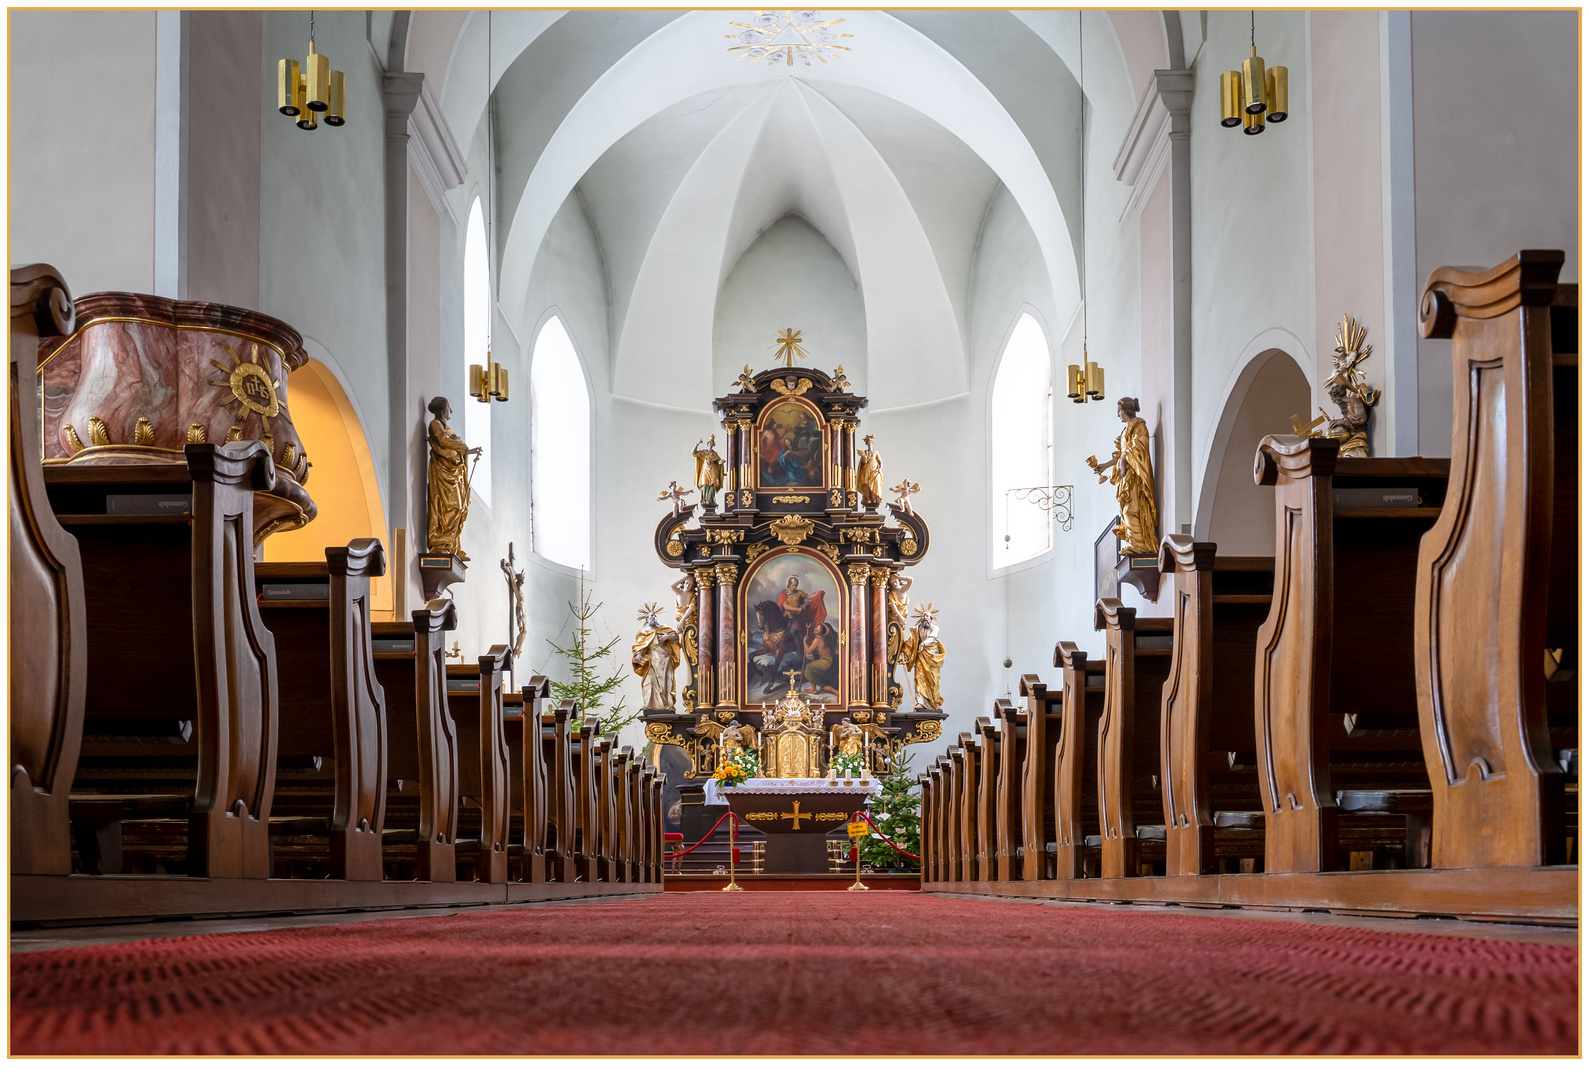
x,y
859,828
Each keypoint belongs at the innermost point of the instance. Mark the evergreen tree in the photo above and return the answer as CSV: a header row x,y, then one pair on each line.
x,y
897,814
587,685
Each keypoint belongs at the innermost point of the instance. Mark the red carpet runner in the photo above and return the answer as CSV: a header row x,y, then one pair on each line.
x,y
800,973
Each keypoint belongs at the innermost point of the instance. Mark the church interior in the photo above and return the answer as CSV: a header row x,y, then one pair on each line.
x,y
521,517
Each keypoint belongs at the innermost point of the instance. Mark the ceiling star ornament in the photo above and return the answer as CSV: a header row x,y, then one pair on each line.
x,y
789,36
252,388
788,347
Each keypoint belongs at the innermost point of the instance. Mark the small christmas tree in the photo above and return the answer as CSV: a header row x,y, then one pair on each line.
x,y
586,685
896,813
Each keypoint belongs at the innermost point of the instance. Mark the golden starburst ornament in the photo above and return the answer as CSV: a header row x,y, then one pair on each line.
x,y
790,36
788,347
252,388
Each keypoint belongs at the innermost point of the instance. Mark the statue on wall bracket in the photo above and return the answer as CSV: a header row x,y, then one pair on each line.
x,y
1130,470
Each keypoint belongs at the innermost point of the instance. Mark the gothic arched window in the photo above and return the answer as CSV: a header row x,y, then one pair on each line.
x,y
1022,441
476,345
560,472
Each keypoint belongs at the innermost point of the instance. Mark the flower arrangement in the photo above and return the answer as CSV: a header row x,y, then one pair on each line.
x,y
849,764
737,767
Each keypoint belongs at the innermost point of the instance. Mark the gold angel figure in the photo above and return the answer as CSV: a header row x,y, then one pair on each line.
x,y
904,489
1131,472
449,495
1348,390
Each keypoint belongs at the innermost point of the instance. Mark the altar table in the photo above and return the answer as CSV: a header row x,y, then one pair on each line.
x,y
797,815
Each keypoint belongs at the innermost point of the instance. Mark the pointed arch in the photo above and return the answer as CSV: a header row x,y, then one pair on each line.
x,y
1021,442
560,448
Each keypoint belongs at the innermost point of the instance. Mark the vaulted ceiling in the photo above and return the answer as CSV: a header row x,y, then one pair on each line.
x,y
682,153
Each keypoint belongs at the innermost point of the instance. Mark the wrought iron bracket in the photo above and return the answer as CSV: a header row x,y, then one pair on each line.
x,y
1054,498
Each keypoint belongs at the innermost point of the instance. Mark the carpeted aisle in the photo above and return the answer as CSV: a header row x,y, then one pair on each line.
x,y
800,973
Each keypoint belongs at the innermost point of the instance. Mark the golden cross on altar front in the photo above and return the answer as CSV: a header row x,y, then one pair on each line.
x,y
797,815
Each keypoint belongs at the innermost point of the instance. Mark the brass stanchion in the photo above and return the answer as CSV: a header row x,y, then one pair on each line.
x,y
733,853
857,829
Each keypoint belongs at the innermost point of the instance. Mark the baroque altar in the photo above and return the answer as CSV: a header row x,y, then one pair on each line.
x,y
792,580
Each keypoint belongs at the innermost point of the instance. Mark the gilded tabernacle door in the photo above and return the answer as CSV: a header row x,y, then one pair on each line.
x,y
792,608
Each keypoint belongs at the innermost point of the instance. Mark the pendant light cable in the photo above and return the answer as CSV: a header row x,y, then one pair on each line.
x,y
1081,173
490,216
311,28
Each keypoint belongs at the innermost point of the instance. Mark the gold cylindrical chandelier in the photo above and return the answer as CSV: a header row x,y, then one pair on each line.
x,y
312,93
1249,97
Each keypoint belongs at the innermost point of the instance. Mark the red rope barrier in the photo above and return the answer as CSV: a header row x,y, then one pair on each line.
x,y
709,834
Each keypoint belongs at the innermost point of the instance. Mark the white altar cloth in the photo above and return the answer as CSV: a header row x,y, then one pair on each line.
x,y
772,785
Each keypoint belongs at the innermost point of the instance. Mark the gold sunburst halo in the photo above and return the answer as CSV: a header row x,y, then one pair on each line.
x,y
798,36
788,347
251,387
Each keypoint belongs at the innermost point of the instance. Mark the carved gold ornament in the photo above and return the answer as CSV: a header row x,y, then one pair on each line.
x,y
252,388
791,387
233,434
755,550
703,551
746,381
907,547
675,548
792,499
839,381
72,440
143,432
830,550
789,36
197,434
97,433
724,536
792,529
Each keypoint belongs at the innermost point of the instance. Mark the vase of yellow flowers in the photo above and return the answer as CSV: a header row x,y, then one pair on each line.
x,y
737,767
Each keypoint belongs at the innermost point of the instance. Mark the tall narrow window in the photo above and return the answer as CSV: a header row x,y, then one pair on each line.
x,y
560,448
1022,443
476,343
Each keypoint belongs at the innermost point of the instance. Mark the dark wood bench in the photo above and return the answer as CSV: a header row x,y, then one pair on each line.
x,y
1007,861
1497,575
331,740
1075,760
1212,813
1335,700
422,743
969,770
181,688
529,805
1044,726
48,619
562,793
475,700
1136,661
988,750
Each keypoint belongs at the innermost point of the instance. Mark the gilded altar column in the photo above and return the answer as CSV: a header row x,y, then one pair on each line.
x,y
836,442
727,635
731,463
849,455
858,573
879,578
706,619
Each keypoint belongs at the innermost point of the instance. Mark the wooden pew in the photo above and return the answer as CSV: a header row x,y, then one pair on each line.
x,y
562,792
1336,644
970,773
1075,760
587,826
475,700
331,745
169,603
528,777
627,772
929,871
422,740
1136,661
988,750
1497,582
1007,861
940,818
606,810
48,621
954,769
1206,719
1044,725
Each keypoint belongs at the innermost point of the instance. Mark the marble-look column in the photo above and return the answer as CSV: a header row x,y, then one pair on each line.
x,y
859,573
727,637
747,473
879,579
706,619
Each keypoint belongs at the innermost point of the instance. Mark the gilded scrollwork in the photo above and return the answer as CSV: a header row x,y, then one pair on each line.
x,y
792,529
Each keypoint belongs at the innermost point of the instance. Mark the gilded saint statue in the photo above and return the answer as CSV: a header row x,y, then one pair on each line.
x,y
1131,472
708,472
449,483
738,738
869,475
655,657
923,657
1348,390
848,737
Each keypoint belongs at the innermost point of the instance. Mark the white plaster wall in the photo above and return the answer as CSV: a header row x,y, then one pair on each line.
x,y
82,146
790,276
1495,158
223,171
1242,521
322,240
1251,221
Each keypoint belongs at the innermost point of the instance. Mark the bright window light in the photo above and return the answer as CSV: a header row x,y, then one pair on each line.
x,y
476,335
1022,434
560,449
